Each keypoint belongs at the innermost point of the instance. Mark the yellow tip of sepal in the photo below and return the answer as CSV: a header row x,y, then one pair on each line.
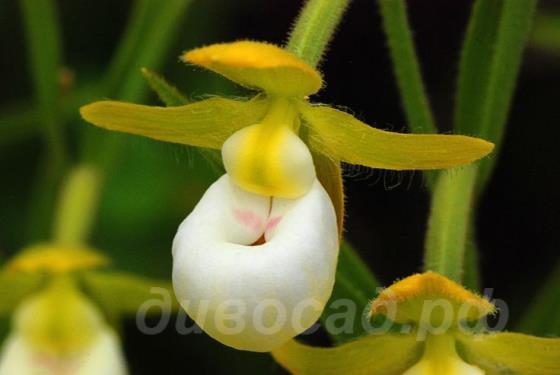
x,y
258,65
430,296
55,258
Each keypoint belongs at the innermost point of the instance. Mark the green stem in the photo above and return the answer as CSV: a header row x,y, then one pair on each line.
x,y
449,219
315,27
406,66
77,205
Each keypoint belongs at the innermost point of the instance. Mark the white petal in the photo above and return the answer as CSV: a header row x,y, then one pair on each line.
x,y
104,356
230,213
256,297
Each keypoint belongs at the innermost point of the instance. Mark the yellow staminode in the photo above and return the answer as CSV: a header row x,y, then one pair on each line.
x,y
433,295
55,258
268,158
440,357
258,65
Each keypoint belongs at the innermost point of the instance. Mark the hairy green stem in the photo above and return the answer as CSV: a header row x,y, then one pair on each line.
x,y
406,67
315,27
449,219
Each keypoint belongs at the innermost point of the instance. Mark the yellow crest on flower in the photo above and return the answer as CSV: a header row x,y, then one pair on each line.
x,y
432,294
258,65
55,259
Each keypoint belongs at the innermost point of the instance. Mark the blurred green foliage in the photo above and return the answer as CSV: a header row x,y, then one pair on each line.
x,y
149,186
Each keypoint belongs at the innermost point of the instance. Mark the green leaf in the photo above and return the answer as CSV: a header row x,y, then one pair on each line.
x,y
488,70
137,27
471,274
542,317
43,47
18,124
355,284
314,28
448,223
146,43
167,93
546,32
44,55
154,45
15,287
171,96
121,294
406,67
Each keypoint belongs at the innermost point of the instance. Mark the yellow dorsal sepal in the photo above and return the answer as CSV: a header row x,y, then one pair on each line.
x,y
430,298
258,65
55,258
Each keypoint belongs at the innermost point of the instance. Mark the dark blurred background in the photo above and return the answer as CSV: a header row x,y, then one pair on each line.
x,y
154,185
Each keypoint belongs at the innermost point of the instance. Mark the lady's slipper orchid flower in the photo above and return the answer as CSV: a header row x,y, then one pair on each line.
x,y
280,153
278,288
58,330
438,343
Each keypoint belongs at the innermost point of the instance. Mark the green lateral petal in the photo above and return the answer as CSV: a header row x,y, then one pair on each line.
x,y
383,355
207,123
120,293
345,138
507,353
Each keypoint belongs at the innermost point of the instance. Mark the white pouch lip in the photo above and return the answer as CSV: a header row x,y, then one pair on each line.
x,y
214,264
